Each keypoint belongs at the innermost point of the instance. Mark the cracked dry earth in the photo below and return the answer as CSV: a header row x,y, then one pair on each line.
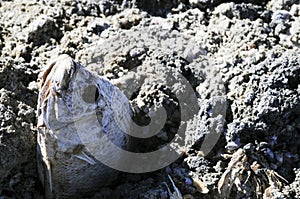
x,y
241,59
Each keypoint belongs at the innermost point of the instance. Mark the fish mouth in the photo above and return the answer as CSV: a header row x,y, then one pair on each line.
x,y
55,82
56,77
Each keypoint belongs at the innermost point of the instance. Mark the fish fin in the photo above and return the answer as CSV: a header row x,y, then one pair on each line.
x,y
85,157
48,166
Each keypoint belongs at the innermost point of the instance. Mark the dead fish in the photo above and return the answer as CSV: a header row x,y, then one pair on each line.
x,y
76,109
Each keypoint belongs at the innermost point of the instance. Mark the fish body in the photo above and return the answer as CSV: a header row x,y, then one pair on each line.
x,y
78,112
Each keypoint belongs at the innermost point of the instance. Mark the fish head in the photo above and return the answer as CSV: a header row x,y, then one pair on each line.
x,y
68,93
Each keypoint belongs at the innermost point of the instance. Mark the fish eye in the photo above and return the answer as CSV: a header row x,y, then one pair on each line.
x,y
90,94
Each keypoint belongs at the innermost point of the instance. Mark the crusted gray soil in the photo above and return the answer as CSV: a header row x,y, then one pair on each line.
x,y
239,58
